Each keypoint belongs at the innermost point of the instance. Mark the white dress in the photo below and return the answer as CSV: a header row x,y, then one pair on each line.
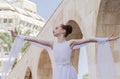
x,y
63,68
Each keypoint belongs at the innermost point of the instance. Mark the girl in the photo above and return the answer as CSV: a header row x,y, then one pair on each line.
x,y
62,49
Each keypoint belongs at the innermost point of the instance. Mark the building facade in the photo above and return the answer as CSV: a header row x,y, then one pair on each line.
x,y
19,14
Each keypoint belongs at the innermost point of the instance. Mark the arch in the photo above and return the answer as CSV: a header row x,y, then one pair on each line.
x,y
28,74
44,70
108,22
76,34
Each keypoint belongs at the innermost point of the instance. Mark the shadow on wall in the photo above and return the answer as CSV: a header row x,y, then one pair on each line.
x,y
28,74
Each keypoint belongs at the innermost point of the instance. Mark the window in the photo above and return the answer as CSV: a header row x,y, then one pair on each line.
x,y
36,27
10,20
5,20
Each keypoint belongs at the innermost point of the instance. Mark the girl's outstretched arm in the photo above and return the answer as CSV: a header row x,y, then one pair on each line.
x,y
32,39
39,41
94,40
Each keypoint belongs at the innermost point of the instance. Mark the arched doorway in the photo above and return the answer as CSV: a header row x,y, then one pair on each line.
x,y
76,34
44,66
28,74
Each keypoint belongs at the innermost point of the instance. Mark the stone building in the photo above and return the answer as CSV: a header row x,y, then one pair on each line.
x,y
97,18
20,14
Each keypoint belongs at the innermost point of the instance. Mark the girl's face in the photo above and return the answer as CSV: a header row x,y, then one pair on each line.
x,y
58,30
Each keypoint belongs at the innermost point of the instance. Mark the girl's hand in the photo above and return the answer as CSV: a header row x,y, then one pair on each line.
x,y
112,37
14,32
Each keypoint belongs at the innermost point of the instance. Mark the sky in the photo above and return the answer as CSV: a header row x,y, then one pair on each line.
x,y
46,8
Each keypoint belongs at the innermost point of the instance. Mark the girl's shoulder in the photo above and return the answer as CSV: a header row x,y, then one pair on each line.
x,y
71,41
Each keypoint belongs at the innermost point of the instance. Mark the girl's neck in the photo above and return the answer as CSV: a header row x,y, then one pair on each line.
x,y
61,39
